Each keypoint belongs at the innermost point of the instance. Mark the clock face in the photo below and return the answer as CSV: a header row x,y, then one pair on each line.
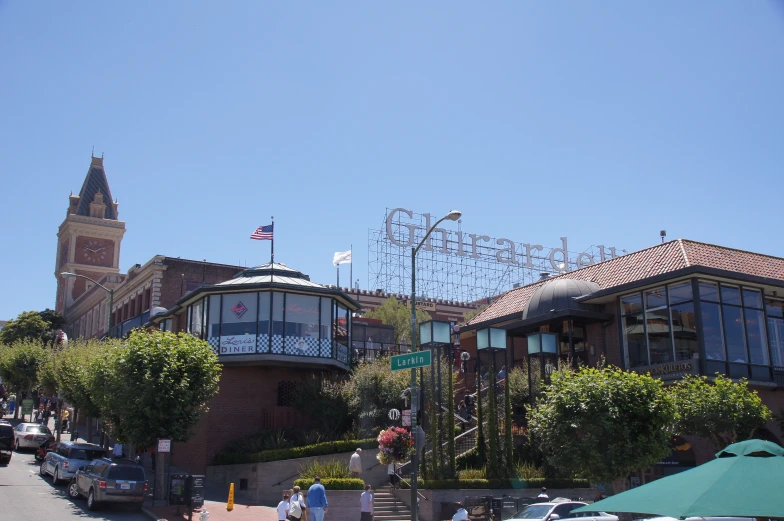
x,y
94,252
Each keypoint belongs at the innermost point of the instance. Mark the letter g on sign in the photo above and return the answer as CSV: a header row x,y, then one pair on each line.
x,y
411,228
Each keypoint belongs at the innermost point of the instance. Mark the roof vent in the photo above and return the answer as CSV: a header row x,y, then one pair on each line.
x,y
516,285
544,275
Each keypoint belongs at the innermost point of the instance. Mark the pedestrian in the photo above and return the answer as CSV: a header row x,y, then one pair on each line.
x,y
296,505
64,426
393,477
462,411
117,452
366,505
502,373
355,463
461,514
317,500
543,495
283,508
11,403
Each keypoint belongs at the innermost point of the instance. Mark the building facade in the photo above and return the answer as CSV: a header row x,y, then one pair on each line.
x,y
681,307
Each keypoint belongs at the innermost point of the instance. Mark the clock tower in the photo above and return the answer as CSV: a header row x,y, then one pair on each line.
x,y
88,240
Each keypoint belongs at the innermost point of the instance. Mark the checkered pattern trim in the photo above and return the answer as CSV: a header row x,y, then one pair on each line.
x,y
302,346
214,344
276,346
262,345
326,348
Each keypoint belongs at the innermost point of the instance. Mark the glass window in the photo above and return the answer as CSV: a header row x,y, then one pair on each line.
x,y
733,333
197,325
775,308
326,318
655,298
755,333
712,331
776,340
631,304
341,324
238,323
264,322
680,292
302,325
752,298
213,321
276,341
659,342
730,295
684,331
709,291
634,335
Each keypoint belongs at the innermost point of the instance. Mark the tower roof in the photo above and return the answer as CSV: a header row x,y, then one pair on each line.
x,y
93,183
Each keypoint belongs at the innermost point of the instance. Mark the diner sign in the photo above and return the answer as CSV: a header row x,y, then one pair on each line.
x,y
237,344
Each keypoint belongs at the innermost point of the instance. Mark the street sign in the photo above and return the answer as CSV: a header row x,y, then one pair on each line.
x,y
164,446
27,405
394,414
411,360
407,418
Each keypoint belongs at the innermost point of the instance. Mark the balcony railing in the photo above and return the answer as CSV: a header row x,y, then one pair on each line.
x,y
372,350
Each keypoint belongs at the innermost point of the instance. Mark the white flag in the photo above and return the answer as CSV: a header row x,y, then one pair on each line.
x,y
341,257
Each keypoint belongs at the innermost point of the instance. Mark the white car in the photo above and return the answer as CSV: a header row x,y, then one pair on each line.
x,y
30,435
592,516
550,511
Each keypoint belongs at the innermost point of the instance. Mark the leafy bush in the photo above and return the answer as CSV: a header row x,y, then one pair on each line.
x,y
372,391
325,469
472,474
319,449
332,483
528,471
271,439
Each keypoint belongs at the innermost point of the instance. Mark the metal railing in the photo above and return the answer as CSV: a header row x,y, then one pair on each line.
x,y
373,350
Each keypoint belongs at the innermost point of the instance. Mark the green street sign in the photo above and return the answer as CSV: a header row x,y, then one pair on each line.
x,y
27,405
410,360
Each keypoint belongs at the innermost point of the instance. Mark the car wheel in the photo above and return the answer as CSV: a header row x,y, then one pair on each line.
x,y
56,476
73,490
91,503
42,470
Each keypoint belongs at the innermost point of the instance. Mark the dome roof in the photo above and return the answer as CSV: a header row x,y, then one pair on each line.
x,y
558,295
271,273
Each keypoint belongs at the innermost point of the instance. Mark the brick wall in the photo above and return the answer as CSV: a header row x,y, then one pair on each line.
x,y
180,272
247,402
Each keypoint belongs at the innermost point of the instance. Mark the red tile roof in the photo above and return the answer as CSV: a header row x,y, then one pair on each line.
x,y
657,260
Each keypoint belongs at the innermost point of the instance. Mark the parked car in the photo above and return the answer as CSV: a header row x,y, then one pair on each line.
x,y
550,511
592,516
30,435
109,481
65,458
6,443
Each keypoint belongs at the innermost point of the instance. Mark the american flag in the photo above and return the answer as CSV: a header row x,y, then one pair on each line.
x,y
263,233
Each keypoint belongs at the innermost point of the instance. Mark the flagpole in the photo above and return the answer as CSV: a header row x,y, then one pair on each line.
x,y
351,269
338,268
272,242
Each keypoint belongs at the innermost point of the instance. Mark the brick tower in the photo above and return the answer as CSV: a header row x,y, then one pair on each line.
x,y
88,241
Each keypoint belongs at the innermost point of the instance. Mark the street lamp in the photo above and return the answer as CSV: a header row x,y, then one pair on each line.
x,y
69,275
452,216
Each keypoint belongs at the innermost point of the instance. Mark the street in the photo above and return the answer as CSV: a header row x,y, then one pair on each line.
x,y
25,496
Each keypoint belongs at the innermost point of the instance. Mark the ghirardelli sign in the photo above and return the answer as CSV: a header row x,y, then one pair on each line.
x,y
471,245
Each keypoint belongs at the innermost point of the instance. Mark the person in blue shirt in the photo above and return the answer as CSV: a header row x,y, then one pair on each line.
x,y
317,500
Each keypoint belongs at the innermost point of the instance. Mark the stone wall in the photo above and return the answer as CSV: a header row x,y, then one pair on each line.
x,y
430,508
264,479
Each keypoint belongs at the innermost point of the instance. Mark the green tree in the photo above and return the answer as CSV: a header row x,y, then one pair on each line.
x,y
602,424
394,313
722,410
32,325
371,391
19,366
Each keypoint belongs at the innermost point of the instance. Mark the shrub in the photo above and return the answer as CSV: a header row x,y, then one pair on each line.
x,y
526,470
324,469
440,484
332,483
319,449
471,473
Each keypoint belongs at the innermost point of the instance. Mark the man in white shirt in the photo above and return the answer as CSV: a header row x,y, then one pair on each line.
x,y
461,514
283,508
366,505
543,496
355,463
118,450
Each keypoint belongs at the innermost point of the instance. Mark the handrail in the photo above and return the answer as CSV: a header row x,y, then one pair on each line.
x,y
284,479
419,494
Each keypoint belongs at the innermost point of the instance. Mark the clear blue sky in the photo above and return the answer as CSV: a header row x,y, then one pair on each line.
x,y
602,121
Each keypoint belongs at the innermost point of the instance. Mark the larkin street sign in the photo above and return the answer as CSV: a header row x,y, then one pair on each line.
x,y
410,360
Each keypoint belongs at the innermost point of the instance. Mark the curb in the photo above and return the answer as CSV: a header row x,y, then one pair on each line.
x,y
149,513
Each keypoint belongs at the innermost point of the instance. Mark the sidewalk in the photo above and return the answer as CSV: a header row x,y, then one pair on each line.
x,y
217,511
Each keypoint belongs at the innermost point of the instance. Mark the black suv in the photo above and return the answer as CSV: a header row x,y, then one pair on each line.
x,y
6,442
109,481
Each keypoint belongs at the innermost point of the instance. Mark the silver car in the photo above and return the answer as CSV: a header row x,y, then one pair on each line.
x,y
551,511
30,435
592,516
66,457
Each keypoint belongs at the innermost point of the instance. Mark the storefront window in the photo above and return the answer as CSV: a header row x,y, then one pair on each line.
x,y
213,321
635,340
197,324
302,325
262,345
238,323
711,330
775,311
326,327
757,339
657,322
276,341
341,325
733,334
684,331
709,291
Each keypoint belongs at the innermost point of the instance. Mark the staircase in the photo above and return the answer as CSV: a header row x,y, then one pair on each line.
x,y
387,507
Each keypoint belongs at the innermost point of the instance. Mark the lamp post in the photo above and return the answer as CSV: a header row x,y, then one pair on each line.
x,y
69,275
452,216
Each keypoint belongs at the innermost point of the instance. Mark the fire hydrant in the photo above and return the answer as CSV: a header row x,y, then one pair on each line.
x,y
205,516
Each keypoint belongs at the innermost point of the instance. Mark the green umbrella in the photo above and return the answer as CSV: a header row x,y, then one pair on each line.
x,y
745,480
